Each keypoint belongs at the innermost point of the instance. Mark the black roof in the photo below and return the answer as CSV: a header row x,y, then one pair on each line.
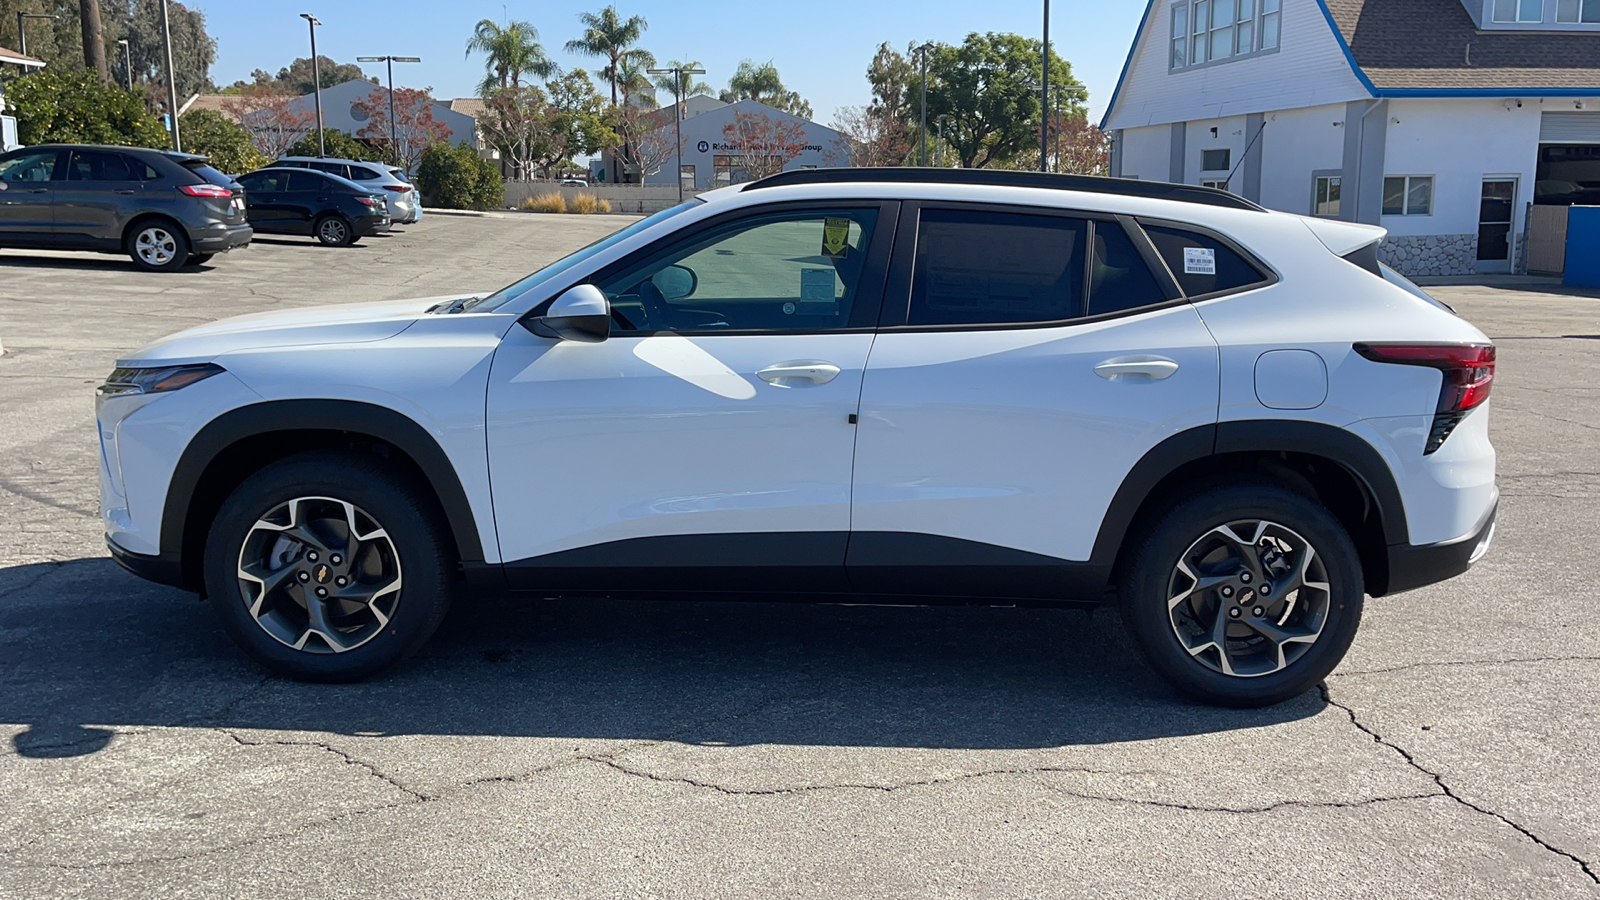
x,y
169,154
1092,184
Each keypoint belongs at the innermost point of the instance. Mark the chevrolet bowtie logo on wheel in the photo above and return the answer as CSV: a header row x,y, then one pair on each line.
x,y
322,573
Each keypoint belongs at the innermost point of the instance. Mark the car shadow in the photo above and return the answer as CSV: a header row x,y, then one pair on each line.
x,y
89,648
88,262
306,242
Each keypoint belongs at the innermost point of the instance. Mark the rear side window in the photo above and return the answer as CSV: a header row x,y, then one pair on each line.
x,y
1202,264
339,169
986,268
101,165
1119,280
266,181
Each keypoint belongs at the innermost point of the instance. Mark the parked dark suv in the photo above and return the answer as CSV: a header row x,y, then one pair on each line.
x,y
334,210
164,209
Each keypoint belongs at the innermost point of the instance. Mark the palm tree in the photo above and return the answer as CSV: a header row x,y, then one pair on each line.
x,y
684,86
608,35
512,51
762,84
632,80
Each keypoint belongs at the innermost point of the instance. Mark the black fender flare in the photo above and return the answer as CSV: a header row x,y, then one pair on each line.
x,y
348,416
1343,447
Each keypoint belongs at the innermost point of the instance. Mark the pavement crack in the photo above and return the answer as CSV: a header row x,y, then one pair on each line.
x,y
50,568
1458,663
1447,791
348,759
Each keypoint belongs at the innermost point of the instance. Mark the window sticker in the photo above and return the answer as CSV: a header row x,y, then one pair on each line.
x,y
816,285
835,237
1199,261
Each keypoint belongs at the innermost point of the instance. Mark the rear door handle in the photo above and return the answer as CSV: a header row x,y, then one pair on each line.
x,y
1136,368
125,192
789,374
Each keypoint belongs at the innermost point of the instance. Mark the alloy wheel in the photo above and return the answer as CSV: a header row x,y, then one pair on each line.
x,y
319,575
156,246
1248,598
333,231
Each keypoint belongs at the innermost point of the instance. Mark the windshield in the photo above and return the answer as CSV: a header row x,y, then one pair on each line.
x,y
513,291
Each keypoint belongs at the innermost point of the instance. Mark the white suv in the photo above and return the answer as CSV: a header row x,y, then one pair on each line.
x,y
920,386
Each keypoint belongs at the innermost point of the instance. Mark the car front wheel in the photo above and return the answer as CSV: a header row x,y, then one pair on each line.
x,y
1244,594
328,566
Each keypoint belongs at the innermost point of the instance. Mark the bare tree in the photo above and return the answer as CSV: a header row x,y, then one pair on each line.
x,y
415,128
762,145
273,118
871,136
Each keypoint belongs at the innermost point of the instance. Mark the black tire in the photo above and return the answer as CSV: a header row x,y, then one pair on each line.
x,y
200,259
1242,672
334,230
418,547
157,245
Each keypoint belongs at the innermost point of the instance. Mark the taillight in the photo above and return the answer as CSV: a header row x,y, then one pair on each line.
x,y
367,201
397,188
1468,371
205,190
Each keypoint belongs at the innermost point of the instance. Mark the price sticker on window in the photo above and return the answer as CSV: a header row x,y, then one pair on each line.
x,y
835,237
1199,261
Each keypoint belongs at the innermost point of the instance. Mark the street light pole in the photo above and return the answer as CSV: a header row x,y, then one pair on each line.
x,y
1044,97
172,78
127,61
922,124
22,36
678,74
394,140
941,140
316,75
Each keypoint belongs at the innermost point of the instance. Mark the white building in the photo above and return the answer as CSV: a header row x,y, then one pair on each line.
x,y
341,111
1442,120
709,160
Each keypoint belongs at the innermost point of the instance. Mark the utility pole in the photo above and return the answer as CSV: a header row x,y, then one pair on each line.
x,y
1044,97
94,41
316,77
922,126
22,35
679,75
394,141
172,79
941,140
127,61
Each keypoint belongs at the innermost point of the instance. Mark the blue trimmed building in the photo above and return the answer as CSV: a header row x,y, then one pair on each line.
x,y
1459,125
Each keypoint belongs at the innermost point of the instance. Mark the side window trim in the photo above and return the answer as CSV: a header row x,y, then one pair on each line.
x,y
1269,275
869,294
897,289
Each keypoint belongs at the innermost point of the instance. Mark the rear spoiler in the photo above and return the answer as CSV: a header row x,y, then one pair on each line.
x,y
1344,238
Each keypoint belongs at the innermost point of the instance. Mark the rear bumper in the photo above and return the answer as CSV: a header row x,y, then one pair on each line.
x,y
222,238
1417,565
161,569
370,225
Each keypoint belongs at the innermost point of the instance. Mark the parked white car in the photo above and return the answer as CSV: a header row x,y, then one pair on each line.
x,y
921,386
404,201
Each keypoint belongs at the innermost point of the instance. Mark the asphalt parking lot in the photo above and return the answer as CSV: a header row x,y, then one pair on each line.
x,y
636,749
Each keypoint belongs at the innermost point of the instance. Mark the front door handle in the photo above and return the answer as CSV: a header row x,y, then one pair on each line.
x,y
1136,368
124,192
789,374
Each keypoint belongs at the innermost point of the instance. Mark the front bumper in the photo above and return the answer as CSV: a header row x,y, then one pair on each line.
x,y
222,238
164,568
1417,565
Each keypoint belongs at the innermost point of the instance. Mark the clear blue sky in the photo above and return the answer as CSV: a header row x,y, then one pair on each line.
x,y
821,48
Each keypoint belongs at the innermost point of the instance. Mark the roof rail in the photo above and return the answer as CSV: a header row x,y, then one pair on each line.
x,y
1093,184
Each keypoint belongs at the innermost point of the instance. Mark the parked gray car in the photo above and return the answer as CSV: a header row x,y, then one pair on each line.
x,y
164,209
405,204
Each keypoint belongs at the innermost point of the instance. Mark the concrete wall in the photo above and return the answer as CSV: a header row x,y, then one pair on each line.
x,y
624,198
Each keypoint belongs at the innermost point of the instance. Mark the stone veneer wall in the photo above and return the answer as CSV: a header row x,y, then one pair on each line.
x,y
1431,254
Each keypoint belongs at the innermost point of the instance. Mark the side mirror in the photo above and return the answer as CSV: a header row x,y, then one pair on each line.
x,y
675,282
581,314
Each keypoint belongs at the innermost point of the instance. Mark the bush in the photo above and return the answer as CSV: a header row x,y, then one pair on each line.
x,y
585,203
336,144
547,202
458,178
226,142
73,107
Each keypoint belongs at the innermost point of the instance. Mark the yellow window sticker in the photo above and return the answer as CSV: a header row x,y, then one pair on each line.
x,y
835,237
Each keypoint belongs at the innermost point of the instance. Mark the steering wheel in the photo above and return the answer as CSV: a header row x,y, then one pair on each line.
x,y
655,305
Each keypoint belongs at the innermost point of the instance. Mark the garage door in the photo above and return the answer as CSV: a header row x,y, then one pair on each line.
x,y
1570,128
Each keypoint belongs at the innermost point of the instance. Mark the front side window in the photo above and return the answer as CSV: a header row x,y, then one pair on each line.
x,y
1201,263
29,168
1329,189
1408,195
986,268
1573,12
793,271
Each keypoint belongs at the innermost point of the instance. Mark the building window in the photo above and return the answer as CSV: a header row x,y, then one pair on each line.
x,y
1326,202
1220,184
1518,10
1215,160
1408,195
1578,11
1214,30
686,176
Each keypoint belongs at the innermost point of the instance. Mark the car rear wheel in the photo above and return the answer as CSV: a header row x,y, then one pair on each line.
x,y
159,246
334,231
1244,594
328,566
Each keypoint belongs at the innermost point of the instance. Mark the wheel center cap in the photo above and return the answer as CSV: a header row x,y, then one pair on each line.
x,y
322,573
1244,598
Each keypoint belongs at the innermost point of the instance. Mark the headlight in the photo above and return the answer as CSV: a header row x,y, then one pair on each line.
x,y
156,380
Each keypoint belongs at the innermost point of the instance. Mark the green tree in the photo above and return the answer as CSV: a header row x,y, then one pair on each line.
x,y
609,36
217,136
73,107
763,85
336,144
633,79
139,22
989,89
683,86
456,177
297,77
511,51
